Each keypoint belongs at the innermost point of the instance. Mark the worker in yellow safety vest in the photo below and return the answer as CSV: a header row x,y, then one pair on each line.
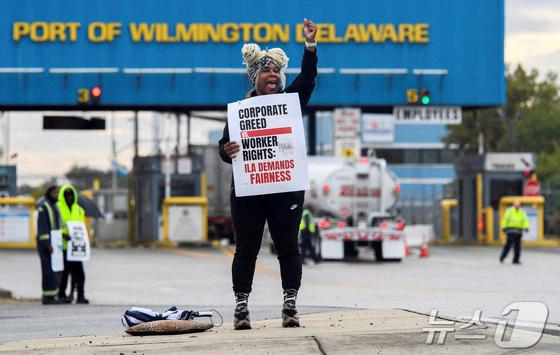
x,y
308,237
70,211
513,223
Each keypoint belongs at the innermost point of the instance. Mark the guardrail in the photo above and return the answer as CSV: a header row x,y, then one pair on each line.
x,y
446,206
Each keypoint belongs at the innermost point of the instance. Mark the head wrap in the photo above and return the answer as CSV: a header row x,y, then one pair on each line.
x,y
255,59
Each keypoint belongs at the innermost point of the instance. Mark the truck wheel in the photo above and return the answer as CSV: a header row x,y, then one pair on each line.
x,y
350,250
377,251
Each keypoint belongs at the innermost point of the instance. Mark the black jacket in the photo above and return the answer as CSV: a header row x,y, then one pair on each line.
x,y
44,225
303,84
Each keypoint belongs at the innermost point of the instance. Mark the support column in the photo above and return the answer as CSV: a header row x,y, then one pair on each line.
x,y
312,132
135,134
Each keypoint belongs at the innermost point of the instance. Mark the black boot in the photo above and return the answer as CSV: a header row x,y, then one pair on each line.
x,y
62,298
289,311
241,314
49,300
80,289
82,300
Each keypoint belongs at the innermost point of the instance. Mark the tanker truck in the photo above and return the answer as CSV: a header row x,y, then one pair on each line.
x,y
354,202
353,199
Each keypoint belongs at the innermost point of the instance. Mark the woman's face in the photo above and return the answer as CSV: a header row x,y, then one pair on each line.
x,y
268,81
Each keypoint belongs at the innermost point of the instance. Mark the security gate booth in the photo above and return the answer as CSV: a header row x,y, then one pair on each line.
x,y
487,185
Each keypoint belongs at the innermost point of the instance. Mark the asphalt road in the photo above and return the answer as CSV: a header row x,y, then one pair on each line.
x,y
454,280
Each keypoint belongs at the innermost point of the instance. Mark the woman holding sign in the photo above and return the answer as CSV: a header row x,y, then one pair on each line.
x,y
282,211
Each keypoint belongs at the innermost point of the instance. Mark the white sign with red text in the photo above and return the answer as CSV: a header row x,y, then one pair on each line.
x,y
273,155
378,128
347,122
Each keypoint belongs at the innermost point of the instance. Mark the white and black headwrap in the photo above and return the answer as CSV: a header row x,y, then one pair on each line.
x,y
255,59
261,63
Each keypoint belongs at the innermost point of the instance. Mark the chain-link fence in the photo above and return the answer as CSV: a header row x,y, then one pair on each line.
x,y
424,207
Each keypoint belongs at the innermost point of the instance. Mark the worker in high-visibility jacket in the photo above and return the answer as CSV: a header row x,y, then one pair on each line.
x,y
70,211
48,220
513,223
308,235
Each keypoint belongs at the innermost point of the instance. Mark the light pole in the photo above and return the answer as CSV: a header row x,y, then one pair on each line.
x,y
511,126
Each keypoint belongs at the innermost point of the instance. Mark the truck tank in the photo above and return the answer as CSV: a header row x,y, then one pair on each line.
x,y
360,188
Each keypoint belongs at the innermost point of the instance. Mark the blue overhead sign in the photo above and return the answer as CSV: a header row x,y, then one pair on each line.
x,y
188,53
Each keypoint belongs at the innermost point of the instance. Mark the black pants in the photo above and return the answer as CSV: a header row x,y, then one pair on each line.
x,y
283,212
76,270
49,278
515,240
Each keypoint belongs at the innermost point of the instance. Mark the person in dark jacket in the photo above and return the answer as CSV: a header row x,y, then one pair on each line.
x,y
48,219
282,211
308,236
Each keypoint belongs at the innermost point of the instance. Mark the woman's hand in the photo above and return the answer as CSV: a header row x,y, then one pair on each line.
x,y
310,30
231,149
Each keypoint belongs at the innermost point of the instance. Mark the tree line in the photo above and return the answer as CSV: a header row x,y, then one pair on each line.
x,y
528,122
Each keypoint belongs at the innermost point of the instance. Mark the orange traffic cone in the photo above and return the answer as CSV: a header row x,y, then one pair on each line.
x,y
424,251
406,250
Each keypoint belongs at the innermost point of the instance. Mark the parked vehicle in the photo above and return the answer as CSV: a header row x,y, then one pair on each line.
x,y
218,185
355,203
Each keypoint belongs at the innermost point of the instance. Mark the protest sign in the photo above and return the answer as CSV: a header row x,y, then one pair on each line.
x,y
273,158
78,245
57,259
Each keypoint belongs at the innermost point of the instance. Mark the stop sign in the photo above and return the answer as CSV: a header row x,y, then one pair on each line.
x,y
532,188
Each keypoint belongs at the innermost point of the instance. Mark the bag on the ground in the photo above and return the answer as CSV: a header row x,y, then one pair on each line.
x,y
144,321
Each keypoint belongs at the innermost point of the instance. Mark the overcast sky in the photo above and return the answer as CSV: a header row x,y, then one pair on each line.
x,y
532,38
533,34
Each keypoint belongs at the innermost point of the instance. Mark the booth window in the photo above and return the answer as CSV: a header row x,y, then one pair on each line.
x,y
500,188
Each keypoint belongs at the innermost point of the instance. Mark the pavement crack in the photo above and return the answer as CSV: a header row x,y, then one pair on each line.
x,y
319,345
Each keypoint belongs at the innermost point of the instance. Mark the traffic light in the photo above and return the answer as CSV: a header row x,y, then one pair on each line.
x,y
425,98
411,96
83,96
95,95
89,96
